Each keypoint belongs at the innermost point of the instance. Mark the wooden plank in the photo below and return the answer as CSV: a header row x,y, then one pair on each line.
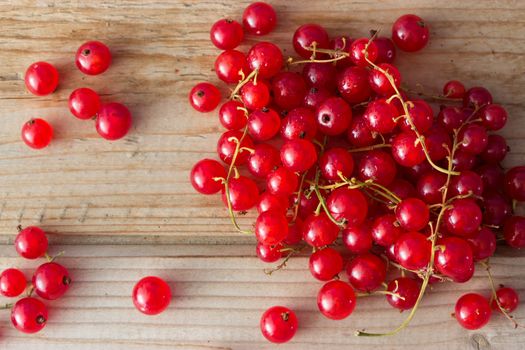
x,y
219,295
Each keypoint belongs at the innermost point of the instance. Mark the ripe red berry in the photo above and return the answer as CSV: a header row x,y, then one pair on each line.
x,y
205,176
264,159
377,166
93,57
306,35
278,324
412,250
353,85
473,139
319,230
282,181
300,123
151,295
320,75
496,208
380,116
493,116
454,89
421,115
515,183
29,315
244,193
37,133
514,232
266,57
263,124
226,34
271,227
406,292
31,242
84,103
12,283
227,144
386,51
259,18
410,33
361,50
325,264
336,161
41,78
385,230
407,150
348,205
464,183
472,311
496,149
268,201
477,97
359,134
483,244
204,97
315,96
51,281
230,66
357,238
336,300
380,83
334,116
268,253
412,214
232,115
366,272
298,155
288,90
508,299
113,121
463,218
255,95
454,259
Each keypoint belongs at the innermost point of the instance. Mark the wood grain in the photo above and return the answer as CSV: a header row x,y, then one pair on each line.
x,y
126,209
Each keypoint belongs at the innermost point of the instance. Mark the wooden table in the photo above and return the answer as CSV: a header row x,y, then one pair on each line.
x,y
126,209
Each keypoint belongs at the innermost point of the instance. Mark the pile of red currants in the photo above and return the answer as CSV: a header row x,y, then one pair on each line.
x,y
332,148
112,120
50,281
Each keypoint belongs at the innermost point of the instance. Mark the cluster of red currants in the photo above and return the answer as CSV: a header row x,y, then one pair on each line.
x,y
343,150
50,281
113,120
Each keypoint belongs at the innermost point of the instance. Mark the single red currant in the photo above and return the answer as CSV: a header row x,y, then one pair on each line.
x,y
206,176
232,115
315,96
508,299
31,242
278,324
309,37
464,183
273,202
496,149
93,58
349,205
255,95
357,238
366,272
84,103
271,227
463,218
380,83
336,300
454,89
51,281
410,33
319,230
229,142
377,166
412,250
363,51
263,124
267,58
406,291
268,253
515,183
37,133
472,311
151,295
494,117
231,66
41,78
298,155
334,116
454,259
359,134
412,214
380,116
320,75
514,232
29,315
430,187
407,150
483,244
336,161
226,34
325,264
204,97
243,194
282,181
386,51
385,230
299,123
473,139
259,18
477,97
264,159
353,85
12,283
288,90
113,121
496,208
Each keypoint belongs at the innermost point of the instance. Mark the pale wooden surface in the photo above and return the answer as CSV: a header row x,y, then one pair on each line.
x,y
125,209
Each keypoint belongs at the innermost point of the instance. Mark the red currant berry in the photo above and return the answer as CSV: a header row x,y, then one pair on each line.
x,y
37,133
412,214
319,230
263,124
264,159
508,299
464,183
31,242
514,232
410,33
268,253
232,116
430,187
472,311
295,233
226,34
282,181
334,116
336,161
377,166
359,134
84,103
477,97
473,139
492,176
255,95
463,160
362,51
298,155
483,244
151,295
406,292
515,183
206,176
271,227
421,115
204,97
320,75
93,58
41,78
412,251
366,272
12,283
230,66
454,89
402,188
259,18
407,150
438,142
349,205
341,43
273,202
463,218
308,36
386,51
357,238
454,259
336,300
288,90
452,118
494,117
353,85
51,281
113,121
325,264
315,96
496,208
300,123
244,194
380,116
379,81
267,58
29,315
307,205
227,144
496,149
278,324
385,230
